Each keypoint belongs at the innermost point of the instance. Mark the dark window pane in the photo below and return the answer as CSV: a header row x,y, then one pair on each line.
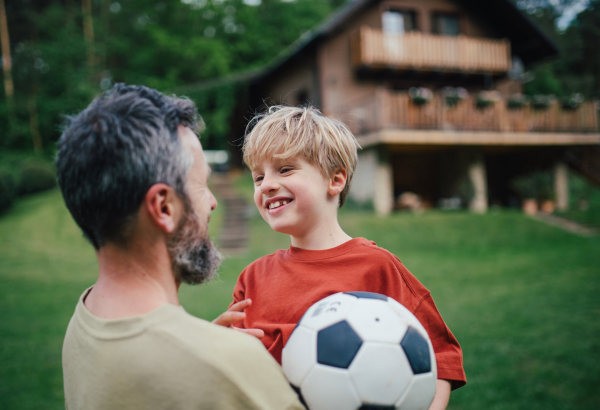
x,y
446,24
451,26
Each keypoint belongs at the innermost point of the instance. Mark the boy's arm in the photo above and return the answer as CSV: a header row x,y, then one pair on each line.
x,y
442,395
235,314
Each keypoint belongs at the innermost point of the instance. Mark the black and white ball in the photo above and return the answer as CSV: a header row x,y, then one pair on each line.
x,y
360,350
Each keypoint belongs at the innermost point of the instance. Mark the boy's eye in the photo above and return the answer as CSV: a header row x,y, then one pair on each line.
x,y
285,169
258,178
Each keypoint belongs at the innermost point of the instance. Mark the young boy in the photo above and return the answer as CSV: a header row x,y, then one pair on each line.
x,y
302,165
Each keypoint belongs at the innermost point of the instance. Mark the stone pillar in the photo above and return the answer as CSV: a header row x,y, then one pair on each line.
x,y
561,186
478,178
383,201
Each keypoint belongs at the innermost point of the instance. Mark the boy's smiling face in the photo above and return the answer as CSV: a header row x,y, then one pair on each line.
x,y
292,195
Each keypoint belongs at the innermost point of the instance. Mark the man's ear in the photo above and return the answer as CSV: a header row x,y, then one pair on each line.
x,y
337,181
164,207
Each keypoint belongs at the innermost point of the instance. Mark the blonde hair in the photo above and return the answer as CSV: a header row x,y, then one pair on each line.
x,y
285,132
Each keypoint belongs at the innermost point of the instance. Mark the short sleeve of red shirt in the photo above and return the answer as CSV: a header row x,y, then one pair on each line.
x,y
285,284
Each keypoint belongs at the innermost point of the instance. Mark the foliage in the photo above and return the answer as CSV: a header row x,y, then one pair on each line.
x,y
537,185
487,98
542,101
161,44
8,190
572,102
517,101
584,198
577,68
453,96
36,176
420,96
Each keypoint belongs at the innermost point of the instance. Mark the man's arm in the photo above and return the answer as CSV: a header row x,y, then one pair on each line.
x,y
442,395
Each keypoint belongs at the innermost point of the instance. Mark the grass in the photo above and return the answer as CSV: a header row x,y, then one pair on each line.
x,y
521,297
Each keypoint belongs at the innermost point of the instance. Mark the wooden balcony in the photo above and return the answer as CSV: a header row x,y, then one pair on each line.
x,y
388,110
374,49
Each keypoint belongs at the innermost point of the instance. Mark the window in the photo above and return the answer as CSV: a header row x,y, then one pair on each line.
x,y
446,24
398,22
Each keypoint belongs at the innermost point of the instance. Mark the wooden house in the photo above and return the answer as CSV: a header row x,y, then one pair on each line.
x,y
368,65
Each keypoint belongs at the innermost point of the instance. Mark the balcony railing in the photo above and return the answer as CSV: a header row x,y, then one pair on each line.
x,y
388,109
429,52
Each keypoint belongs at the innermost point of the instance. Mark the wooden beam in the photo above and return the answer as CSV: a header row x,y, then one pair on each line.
x,y
438,137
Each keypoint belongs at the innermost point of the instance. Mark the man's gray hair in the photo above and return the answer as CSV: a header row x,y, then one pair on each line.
x,y
110,154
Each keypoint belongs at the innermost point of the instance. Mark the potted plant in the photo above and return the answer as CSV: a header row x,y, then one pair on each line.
x,y
487,98
527,189
420,96
535,188
517,101
545,191
542,101
452,95
573,102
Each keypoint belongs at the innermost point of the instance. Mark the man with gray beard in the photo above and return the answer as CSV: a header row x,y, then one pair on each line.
x,y
133,175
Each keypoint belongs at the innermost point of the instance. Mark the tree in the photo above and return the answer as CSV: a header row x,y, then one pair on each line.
x,y
67,51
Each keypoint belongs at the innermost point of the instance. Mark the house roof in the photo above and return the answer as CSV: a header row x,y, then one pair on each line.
x,y
528,40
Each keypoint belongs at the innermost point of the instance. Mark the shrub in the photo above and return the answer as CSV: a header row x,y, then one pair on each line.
x,y
36,176
536,185
8,190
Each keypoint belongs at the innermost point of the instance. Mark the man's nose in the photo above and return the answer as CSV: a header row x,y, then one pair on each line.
x,y
269,184
213,201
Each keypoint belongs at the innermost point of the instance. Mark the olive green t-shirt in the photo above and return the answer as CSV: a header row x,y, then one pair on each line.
x,y
168,359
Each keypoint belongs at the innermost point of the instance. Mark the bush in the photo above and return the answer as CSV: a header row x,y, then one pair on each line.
x,y
8,190
536,185
36,176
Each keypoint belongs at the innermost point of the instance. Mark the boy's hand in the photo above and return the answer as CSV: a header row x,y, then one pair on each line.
x,y
236,314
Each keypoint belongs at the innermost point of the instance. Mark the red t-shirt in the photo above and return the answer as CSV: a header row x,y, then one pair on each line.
x,y
285,284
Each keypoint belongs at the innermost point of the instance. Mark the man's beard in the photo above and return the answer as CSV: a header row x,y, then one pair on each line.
x,y
195,259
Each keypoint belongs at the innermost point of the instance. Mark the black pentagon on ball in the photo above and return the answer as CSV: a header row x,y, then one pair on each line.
x,y
376,407
299,393
417,351
337,345
367,295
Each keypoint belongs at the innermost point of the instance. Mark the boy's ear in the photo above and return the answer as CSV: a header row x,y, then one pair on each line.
x,y
164,207
337,181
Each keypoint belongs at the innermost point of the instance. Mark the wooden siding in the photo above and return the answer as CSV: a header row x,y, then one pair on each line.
x,y
388,109
421,51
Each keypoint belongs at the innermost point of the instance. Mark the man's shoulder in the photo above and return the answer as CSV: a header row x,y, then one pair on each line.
x,y
202,338
176,357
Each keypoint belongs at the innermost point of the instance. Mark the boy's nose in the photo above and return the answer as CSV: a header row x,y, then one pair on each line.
x,y
268,185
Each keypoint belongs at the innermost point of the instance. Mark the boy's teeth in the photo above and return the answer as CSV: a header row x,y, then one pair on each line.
x,y
277,204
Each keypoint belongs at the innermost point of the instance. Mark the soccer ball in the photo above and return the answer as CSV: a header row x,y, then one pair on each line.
x,y
358,351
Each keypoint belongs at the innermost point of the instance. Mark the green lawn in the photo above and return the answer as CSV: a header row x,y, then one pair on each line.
x,y
521,297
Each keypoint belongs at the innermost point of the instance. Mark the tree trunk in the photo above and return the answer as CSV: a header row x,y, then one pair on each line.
x,y
88,34
34,125
7,64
